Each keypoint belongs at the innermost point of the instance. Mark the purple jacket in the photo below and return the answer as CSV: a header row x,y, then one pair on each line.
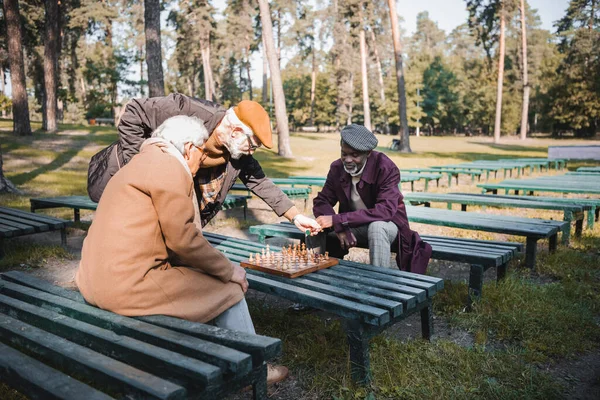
x,y
379,190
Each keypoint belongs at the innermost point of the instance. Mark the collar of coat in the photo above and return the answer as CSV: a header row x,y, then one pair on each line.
x,y
369,173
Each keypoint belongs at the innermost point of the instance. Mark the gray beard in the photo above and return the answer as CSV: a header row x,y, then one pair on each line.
x,y
356,173
233,149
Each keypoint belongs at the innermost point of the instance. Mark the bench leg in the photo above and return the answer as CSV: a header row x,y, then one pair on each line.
x,y
501,272
530,252
578,227
426,184
1,247
259,388
590,218
552,242
358,342
245,207
63,237
76,215
427,322
475,284
566,235
463,207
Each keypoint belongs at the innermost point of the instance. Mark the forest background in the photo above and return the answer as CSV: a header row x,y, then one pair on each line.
x,y
450,80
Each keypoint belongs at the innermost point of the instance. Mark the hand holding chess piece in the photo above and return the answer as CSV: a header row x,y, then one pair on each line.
x,y
306,224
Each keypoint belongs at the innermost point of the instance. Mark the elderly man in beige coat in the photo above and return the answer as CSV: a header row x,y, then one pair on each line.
x,y
145,253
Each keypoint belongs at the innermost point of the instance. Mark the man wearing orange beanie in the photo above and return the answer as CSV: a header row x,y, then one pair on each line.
x,y
235,134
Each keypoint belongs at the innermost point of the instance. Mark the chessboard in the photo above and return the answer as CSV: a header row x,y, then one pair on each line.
x,y
290,262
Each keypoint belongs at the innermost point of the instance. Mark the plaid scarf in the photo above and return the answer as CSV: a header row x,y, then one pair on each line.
x,y
210,181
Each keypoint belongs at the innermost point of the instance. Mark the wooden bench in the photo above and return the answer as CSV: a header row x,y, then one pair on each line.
x,y
368,299
15,223
78,203
320,181
589,169
54,345
451,173
535,185
592,206
532,229
571,212
480,254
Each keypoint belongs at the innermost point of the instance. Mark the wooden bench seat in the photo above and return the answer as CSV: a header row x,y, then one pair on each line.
x,y
480,254
571,212
72,345
368,299
451,173
532,229
320,181
85,203
15,223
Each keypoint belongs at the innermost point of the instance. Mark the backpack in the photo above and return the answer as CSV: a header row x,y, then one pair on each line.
x,y
103,166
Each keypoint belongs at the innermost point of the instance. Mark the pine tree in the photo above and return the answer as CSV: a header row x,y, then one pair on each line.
x,y
279,97
156,84
51,53
21,124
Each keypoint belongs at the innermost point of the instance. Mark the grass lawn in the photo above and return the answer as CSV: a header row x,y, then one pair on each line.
x,y
521,327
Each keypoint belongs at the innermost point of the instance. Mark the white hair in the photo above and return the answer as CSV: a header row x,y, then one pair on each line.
x,y
233,121
182,129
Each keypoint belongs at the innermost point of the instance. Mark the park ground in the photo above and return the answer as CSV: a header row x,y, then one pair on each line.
x,y
536,335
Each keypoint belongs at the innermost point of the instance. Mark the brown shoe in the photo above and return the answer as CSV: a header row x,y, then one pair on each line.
x,y
276,373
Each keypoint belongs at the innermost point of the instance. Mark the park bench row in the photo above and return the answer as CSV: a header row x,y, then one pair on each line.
x,y
14,223
480,254
367,299
54,345
558,184
78,203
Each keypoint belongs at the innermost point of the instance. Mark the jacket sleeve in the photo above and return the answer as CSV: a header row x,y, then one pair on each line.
x,y
143,116
253,176
326,199
386,203
170,188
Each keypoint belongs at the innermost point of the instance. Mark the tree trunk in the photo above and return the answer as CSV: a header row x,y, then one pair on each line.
x,y
206,68
313,84
351,99
386,126
365,82
248,69
404,138
156,84
21,124
526,88
280,110
265,82
498,121
141,56
50,66
6,186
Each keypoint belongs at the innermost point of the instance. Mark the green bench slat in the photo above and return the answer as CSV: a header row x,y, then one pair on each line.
x,y
394,307
167,364
260,347
228,359
78,360
22,223
26,215
383,275
345,308
437,283
408,301
8,229
36,380
420,294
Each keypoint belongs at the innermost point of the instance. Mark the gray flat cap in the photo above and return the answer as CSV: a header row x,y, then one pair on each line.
x,y
359,138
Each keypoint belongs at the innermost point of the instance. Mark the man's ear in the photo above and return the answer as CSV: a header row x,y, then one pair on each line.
x,y
187,149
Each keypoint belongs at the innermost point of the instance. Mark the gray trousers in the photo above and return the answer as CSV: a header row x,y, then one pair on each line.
x,y
236,318
377,236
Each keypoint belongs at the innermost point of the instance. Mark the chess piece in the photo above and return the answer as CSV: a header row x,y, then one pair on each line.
x,y
251,258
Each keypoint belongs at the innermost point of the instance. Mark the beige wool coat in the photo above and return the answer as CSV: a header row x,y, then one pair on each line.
x,y
143,253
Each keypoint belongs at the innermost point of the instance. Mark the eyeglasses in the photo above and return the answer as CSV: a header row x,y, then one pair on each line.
x,y
251,144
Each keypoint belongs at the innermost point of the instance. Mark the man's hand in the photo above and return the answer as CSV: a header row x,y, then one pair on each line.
x,y
304,223
239,277
347,240
326,221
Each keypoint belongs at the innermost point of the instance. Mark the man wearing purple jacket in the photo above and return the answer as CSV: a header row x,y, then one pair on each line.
x,y
371,214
